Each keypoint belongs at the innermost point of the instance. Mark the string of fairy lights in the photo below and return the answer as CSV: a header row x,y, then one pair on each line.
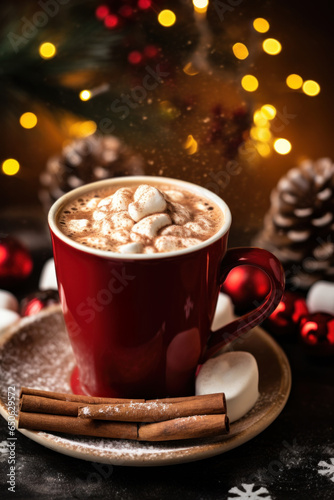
x,y
261,134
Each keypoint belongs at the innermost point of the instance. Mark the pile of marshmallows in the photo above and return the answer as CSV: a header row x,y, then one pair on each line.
x,y
134,221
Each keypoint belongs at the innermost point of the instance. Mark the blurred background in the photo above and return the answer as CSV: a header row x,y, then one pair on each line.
x,y
226,94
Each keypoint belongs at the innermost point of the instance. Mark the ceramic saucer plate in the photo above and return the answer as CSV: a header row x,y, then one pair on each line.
x,y
36,353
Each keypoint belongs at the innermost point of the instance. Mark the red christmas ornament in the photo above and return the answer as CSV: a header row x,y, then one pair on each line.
x,y
287,315
37,301
317,333
15,262
247,286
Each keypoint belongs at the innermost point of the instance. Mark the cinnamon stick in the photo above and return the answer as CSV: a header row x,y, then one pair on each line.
x,y
36,404
180,428
155,411
74,425
75,397
199,426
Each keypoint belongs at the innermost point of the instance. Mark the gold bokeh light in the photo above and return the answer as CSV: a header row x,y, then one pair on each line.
x,y
249,83
294,81
28,120
10,166
311,88
240,51
261,25
47,50
166,18
282,146
272,46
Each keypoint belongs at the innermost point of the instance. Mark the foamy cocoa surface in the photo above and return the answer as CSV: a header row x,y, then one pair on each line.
x,y
140,219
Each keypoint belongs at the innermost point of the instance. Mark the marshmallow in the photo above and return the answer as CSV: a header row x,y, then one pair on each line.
x,y
190,242
224,312
8,301
174,230
179,214
196,229
150,249
122,220
320,297
7,318
77,225
148,201
99,214
149,226
131,248
174,195
234,373
167,243
121,236
48,279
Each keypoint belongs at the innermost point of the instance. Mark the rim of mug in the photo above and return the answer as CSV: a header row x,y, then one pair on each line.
x,y
75,193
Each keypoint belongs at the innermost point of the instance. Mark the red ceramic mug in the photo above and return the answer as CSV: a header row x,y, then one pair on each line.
x,y
139,324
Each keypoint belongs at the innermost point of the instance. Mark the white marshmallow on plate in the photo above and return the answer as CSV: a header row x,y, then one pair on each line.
x,y
224,312
8,301
7,318
48,279
237,375
320,297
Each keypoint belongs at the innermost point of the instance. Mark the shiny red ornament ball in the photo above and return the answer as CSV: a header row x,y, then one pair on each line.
x,y
15,262
317,333
37,301
287,315
247,286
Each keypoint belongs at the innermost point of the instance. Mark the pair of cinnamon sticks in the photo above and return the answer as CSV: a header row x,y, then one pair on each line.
x,y
136,419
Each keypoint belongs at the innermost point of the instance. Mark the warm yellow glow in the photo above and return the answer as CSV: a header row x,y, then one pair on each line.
x,y
261,25
263,149
85,95
190,70
166,18
240,51
249,83
268,111
28,120
263,134
310,87
10,166
191,145
294,81
259,119
201,5
272,46
47,50
83,129
282,146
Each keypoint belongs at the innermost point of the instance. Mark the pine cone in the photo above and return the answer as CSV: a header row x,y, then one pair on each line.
x,y
299,226
87,160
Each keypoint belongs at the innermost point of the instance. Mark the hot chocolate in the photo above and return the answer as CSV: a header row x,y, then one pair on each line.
x,y
140,218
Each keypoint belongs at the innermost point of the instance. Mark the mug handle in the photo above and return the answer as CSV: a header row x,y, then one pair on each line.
x,y
266,262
